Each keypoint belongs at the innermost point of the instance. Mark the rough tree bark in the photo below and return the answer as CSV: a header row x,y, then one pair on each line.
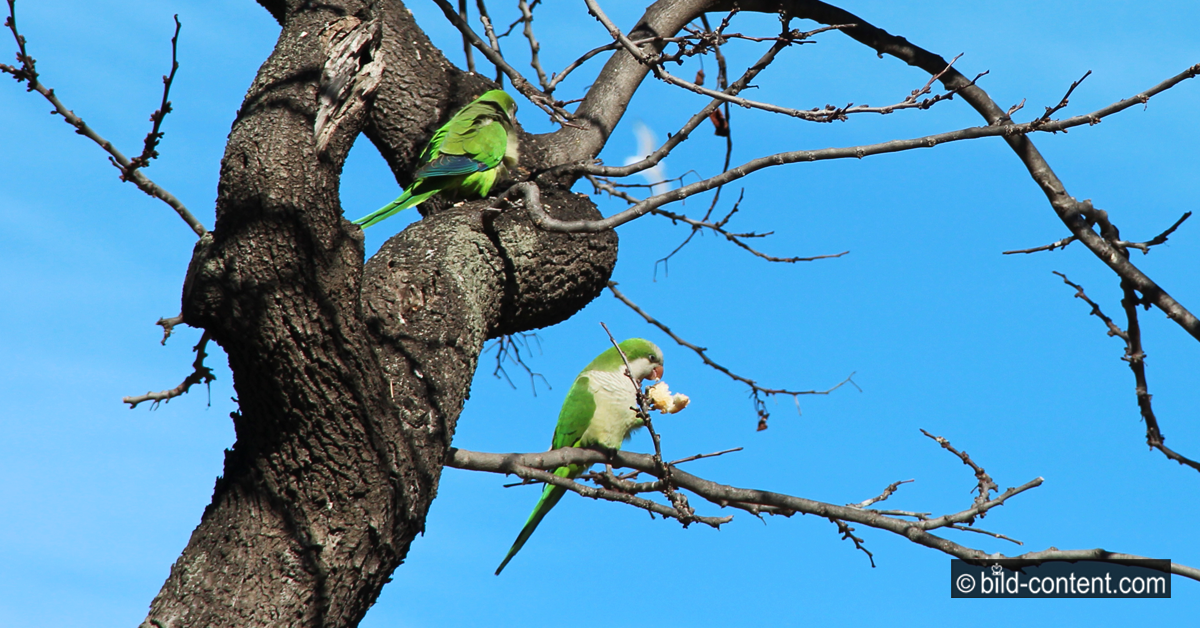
x,y
350,378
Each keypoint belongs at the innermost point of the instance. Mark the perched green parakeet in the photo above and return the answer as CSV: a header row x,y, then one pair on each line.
x,y
464,158
598,411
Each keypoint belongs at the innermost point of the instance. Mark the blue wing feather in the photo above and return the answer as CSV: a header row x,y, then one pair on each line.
x,y
450,165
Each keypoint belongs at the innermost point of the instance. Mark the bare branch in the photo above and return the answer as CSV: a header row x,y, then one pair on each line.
x,y
703,456
1135,356
151,142
633,474
486,20
200,374
462,13
686,514
685,131
1062,103
979,531
1059,244
887,492
759,501
1073,213
848,534
527,17
827,114
558,78
1113,330
616,33
986,485
1169,305
1144,247
540,475
736,238
519,82
129,172
756,392
508,349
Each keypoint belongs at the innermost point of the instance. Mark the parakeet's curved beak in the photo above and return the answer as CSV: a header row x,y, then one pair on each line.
x,y
656,373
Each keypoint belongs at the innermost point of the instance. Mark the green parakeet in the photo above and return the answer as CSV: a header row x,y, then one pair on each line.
x,y
464,158
598,411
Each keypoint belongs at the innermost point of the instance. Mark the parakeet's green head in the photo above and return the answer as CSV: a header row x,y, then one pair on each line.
x,y
502,101
645,359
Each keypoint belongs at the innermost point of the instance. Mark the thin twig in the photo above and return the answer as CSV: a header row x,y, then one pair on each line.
x,y
848,534
150,144
735,238
685,131
519,82
486,20
1062,103
462,13
986,485
1113,330
633,474
887,492
979,531
527,17
827,114
1161,238
507,348
1135,356
1059,244
668,489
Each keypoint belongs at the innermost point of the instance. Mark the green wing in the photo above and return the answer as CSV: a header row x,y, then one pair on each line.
x,y
483,141
576,414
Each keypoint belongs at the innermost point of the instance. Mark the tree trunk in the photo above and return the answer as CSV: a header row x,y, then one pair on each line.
x,y
350,378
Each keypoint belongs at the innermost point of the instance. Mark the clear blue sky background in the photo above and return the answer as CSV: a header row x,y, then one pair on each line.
x,y
942,331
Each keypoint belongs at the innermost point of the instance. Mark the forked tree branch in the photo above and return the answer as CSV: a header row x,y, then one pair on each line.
x,y
519,82
1076,215
549,223
1135,356
201,374
130,169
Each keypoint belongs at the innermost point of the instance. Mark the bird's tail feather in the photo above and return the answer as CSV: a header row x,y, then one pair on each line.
x,y
414,195
550,497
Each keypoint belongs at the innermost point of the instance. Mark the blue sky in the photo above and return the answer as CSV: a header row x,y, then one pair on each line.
x,y
941,331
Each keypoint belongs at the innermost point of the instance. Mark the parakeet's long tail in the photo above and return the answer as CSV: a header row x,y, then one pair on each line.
x,y
414,195
550,497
